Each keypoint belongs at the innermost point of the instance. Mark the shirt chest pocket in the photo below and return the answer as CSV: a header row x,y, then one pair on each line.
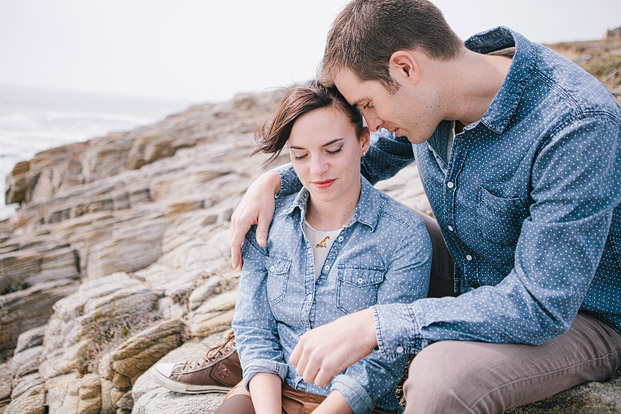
x,y
277,277
500,219
356,288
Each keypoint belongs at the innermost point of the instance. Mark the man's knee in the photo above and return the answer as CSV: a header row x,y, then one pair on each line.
x,y
440,380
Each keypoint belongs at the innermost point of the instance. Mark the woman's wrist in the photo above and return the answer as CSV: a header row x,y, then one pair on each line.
x,y
266,393
333,404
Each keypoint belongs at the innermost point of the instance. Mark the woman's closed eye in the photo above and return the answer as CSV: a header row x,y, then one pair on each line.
x,y
334,150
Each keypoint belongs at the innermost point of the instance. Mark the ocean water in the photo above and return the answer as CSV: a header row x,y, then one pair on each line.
x,y
33,120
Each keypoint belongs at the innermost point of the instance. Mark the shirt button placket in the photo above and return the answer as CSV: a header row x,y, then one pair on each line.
x,y
450,185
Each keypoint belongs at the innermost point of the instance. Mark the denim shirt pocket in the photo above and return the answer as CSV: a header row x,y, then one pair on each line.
x,y
356,287
500,219
277,277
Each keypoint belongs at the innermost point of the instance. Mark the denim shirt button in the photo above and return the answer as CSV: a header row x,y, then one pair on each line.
x,y
399,349
450,184
359,280
272,268
326,268
310,297
340,238
468,257
450,228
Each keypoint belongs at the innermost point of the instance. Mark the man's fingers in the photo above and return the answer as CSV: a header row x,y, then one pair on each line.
x,y
310,371
236,257
235,242
324,375
296,353
305,366
300,366
262,228
255,207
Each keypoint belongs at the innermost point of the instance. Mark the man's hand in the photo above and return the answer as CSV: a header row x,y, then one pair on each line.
x,y
327,350
256,207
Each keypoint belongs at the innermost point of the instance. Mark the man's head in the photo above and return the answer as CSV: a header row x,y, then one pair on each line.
x,y
389,58
367,32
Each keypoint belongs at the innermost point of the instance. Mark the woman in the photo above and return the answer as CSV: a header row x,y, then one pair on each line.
x,y
336,247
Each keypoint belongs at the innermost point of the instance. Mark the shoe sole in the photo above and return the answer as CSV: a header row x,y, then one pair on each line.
x,y
181,387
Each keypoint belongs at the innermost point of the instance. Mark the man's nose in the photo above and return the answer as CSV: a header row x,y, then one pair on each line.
x,y
373,122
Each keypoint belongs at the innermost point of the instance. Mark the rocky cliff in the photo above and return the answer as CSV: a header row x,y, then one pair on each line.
x,y
118,257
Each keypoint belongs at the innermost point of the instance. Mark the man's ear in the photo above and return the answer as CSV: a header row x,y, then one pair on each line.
x,y
403,65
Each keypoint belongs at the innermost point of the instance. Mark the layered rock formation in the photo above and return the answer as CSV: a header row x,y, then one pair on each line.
x,y
118,257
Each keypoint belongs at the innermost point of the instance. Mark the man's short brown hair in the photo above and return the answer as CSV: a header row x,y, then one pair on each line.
x,y
367,32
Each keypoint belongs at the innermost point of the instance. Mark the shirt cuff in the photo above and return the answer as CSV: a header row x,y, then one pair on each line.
x,y
264,366
397,330
354,394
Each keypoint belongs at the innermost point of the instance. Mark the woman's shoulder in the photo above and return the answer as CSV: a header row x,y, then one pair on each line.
x,y
393,212
281,227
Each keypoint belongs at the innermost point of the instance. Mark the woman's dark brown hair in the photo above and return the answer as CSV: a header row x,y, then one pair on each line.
x,y
271,136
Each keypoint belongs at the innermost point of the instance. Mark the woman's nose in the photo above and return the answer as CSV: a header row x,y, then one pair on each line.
x,y
318,164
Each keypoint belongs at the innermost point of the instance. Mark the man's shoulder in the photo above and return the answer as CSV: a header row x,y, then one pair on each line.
x,y
582,93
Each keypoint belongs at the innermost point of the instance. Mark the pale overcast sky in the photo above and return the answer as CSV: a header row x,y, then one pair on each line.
x,y
208,50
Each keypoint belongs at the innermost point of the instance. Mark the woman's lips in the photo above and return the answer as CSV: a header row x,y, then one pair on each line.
x,y
322,185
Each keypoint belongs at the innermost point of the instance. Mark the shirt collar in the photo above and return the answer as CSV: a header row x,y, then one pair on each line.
x,y
506,101
367,210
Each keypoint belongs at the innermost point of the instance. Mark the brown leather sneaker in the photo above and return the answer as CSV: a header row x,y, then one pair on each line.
x,y
218,371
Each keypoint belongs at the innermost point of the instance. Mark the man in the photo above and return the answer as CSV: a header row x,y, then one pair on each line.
x,y
518,151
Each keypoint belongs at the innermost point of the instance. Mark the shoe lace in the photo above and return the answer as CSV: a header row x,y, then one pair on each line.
x,y
213,353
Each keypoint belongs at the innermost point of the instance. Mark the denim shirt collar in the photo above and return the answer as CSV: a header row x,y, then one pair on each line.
x,y
366,212
506,101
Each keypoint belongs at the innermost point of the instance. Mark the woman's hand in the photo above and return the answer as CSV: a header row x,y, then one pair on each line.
x,y
256,207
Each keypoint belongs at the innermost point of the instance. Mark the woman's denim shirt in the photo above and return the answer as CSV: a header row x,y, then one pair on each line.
x,y
383,255
528,201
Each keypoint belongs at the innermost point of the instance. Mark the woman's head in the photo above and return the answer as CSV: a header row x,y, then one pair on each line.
x,y
326,138
272,136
